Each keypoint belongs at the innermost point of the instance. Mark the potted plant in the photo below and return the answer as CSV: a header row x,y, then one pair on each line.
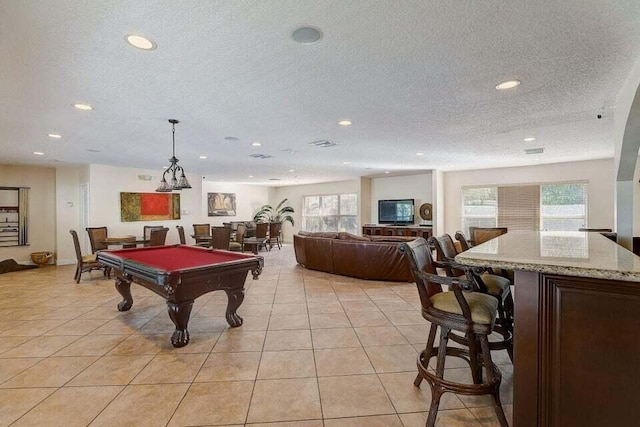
x,y
281,213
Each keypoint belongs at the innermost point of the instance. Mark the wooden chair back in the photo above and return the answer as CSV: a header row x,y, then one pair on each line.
x,y
418,253
261,230
202,229
181,235
479,235
240,232
76,245
446,251
220,238
464,243
157,236
96,236
146,230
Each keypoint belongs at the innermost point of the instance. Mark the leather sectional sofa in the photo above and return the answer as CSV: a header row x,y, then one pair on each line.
x,y
374,258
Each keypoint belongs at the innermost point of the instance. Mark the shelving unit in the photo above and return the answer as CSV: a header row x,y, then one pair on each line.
x,y
9,226
14,220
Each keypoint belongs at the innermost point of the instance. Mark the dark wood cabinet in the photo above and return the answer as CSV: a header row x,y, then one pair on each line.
x,y
396,230
576,351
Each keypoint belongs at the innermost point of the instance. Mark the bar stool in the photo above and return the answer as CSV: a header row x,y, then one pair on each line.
x,y
485,282
470,313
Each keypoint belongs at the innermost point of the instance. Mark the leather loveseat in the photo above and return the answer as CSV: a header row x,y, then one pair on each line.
x,y
374,258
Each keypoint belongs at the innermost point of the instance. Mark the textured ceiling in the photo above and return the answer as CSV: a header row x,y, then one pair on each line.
x,y
413,76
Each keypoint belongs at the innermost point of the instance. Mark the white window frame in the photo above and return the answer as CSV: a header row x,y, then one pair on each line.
x,y
586,204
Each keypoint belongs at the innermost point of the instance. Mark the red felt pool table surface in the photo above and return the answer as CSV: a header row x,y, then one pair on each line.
x,y
175,258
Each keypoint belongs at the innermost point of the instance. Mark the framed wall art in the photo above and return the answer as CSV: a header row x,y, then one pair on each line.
x,y
221,204
149,206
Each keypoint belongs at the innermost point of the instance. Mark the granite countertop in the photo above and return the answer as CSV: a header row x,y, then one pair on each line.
x,y
568,253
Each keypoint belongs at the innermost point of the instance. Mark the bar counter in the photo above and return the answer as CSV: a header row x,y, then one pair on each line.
x,y
577,326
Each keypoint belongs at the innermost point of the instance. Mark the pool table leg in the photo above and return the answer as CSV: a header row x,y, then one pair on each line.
x,y
236,296
123,286
179,314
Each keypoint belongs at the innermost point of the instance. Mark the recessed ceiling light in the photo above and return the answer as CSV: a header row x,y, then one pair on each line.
x,y
345,123
250,176
140,42
38,153
346,163
256,143
529,139
419,154
165,167
54,135
509,84
292,170
203,157
387,172
84,107
307,35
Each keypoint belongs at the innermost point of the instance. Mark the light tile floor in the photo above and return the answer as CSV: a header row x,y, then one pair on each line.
x,y
315,350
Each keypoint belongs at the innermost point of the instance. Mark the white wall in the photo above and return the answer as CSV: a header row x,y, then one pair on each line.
x,y
106,183
68,181
418,187
598,173
42,224
249,198
295,193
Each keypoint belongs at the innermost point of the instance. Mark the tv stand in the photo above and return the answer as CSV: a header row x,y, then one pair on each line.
x,y
397,230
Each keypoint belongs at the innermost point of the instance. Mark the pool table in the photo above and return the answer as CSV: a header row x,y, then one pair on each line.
x,y
180,274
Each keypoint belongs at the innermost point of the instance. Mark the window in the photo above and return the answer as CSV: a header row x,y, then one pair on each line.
x,y
564,206
331,212
479,207
549,207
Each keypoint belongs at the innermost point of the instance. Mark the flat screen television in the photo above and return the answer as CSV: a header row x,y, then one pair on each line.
x,y
398,212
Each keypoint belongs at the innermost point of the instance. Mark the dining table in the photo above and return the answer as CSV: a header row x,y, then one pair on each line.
x,y
125,241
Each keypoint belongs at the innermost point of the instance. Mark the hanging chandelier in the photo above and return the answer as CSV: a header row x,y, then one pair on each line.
x,y
175,183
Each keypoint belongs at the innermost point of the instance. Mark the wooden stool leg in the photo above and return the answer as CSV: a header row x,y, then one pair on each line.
x,y
495,395
436,394
427,351
475,365
436,390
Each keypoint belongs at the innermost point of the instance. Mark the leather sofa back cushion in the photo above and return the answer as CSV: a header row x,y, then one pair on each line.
x,y
348,236
326,235
379,261
319,254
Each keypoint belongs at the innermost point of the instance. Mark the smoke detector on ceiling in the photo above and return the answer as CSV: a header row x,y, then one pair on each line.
x,y
534,150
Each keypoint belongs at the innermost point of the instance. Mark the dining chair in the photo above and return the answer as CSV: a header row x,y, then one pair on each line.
x,y
202,230
86,262
275,229
97,235
183,239
261,233
146,233
236,244
220,237
470,314
158,236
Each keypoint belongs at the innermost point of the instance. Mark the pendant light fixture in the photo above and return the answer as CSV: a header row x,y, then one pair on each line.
x,y
175,183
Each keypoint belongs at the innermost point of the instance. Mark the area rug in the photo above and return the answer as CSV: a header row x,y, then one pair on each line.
x,y
9,265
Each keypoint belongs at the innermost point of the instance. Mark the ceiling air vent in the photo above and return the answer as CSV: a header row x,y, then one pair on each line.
x,y
260,156
323,143
275,179
534,150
